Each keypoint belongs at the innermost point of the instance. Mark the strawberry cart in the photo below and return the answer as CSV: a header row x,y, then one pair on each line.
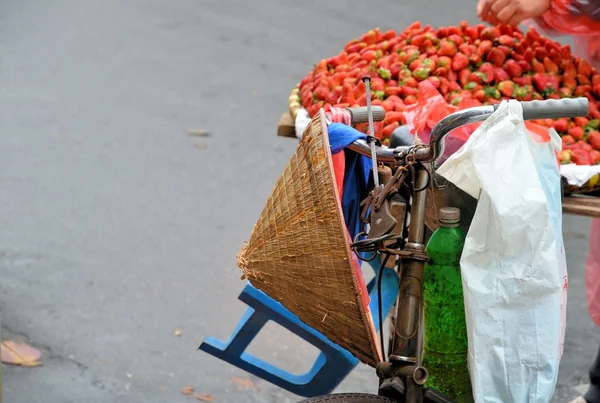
x,y
422,74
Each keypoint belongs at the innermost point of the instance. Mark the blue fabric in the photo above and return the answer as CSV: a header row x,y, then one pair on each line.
x,y
356,176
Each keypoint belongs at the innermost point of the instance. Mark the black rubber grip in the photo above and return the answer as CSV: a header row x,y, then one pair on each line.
x,y
555,108
359,115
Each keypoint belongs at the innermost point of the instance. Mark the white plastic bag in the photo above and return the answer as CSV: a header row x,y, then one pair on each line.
x,y
513,264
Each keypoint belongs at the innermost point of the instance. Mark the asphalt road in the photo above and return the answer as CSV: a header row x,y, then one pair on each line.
x,y
118,228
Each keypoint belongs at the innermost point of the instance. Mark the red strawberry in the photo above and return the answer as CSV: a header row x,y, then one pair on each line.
x,y
581,157
584,68
447,48
582,90
517,56
467,49
506,50
484,48
464,76
442,32
395,68
561,125
445,61
520,47
377,84
407,91
388,130
478,77
334,95
435,81
569,83
505,30
457,38
550,66
472,33
583,80
529,55
594,139
537,67
496,57
595,156
388,105
596,90
513,69
459,62
596,79
444,85
540,53
565,156
576,132
507,88
500,74
454,31
440,71
475,60
581,121
415,64
523,81
479,95
369,55
391,91
506,40
490,33
410,100
451,76
525,66
453,86
390,34
322,92
540,81
565,92
555,56
567,140
488,72
532,35
565,51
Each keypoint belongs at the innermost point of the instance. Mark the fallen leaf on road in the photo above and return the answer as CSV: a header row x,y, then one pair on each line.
x,y
19,354
201,146
199,133
177,333
187,390
203,397
244,383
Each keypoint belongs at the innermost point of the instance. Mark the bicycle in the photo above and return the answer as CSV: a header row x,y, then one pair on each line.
x,y
402,375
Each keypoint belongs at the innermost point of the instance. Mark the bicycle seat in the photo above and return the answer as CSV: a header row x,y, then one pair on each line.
x,y
401,137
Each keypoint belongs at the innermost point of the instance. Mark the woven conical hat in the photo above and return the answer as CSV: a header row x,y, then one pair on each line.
x,y
299,252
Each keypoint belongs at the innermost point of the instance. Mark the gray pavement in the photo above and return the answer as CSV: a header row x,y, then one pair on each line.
x,y
119,228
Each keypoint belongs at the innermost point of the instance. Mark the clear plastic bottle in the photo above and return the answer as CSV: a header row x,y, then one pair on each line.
x,y
446,347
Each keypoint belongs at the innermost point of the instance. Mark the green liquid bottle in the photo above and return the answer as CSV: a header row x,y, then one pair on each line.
x,y
445,344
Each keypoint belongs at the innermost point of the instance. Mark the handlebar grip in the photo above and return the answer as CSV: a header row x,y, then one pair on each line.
x,y
359,115
555,108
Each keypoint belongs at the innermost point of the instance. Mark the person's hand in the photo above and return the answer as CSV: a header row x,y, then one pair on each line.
x,y
511,12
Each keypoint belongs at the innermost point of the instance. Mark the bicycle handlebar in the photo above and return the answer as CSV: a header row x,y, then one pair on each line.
x,y
532,110
360,115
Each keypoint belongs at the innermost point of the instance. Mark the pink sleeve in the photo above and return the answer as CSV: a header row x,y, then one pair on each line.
x,y
592,272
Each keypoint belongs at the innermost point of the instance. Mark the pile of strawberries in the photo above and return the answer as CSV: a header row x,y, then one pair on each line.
x,y
478,64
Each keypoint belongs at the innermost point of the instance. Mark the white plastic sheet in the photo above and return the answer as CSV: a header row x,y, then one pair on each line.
x,y
513,264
